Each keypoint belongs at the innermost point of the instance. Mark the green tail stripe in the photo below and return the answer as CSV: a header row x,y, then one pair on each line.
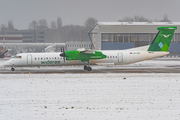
x,y
163,39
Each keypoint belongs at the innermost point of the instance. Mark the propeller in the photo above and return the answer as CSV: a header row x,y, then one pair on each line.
x,y
63,54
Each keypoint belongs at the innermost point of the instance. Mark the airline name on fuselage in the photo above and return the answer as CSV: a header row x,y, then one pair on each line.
x,y
50,62
96,57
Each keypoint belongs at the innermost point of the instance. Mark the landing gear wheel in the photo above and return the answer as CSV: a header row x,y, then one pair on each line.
x,y
12,69
85,67
89,69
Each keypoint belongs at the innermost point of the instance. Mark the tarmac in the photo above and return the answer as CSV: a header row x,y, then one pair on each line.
x,y
159,65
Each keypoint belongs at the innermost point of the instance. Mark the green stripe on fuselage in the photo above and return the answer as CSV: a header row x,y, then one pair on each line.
x,y
77,55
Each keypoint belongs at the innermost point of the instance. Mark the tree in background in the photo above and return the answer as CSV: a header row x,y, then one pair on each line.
x,y
33,25
43,24
135,19
90,22
143,19
3,26
10,25
165,19
59,23
53,25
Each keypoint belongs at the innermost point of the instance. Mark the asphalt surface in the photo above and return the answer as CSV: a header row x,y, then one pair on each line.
x,y
110,69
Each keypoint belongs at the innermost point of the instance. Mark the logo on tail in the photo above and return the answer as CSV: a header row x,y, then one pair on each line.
x,y
166,36
163,39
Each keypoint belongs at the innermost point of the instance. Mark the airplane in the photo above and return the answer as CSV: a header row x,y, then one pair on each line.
x,y
158,48
2,54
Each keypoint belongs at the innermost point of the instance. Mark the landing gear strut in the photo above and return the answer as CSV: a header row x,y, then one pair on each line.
x,y
13,69
85,67
88,68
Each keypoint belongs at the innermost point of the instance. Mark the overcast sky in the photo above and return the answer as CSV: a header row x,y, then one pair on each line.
x,y
75,12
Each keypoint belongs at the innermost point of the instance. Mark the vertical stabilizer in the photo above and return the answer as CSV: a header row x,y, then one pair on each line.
x,y
163,39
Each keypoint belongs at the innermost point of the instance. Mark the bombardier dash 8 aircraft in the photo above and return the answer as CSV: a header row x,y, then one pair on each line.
x,y
158,48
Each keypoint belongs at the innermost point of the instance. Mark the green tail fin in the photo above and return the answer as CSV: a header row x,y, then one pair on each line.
x,y
163,39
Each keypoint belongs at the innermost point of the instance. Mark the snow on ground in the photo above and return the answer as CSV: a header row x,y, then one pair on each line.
x,y
89,96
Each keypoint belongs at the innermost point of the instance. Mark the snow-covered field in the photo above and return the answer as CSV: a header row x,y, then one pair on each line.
x,y
90,96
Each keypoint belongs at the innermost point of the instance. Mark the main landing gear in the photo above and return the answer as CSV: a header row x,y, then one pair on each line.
x,y
88,68
13,69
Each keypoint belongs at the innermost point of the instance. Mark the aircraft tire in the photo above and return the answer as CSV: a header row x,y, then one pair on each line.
x,y
89,69
12,69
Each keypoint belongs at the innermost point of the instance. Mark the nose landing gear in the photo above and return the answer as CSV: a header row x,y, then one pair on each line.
x,y
13,69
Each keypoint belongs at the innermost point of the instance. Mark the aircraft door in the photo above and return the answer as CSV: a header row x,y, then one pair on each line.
x,y
120,57
29,59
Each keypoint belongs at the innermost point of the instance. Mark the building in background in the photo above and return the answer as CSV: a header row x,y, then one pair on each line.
x,y
12,38
103,36
76,45
36,36
124,35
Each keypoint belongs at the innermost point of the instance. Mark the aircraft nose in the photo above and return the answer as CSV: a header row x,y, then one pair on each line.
x,y
7,63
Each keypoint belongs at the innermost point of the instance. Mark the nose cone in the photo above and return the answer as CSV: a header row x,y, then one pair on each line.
x,y
7,63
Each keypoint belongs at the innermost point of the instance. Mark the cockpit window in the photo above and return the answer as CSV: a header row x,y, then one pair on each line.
x,y
17,57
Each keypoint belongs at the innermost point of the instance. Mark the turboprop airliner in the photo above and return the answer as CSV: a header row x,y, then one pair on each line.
x,y
158,48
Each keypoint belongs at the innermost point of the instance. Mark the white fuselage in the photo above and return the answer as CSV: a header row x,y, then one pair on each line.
x,y
114,57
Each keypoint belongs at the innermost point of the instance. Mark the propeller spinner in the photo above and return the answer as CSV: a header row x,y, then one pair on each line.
x,y
63,54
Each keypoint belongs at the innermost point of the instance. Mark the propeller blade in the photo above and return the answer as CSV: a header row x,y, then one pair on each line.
x,y
63,54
